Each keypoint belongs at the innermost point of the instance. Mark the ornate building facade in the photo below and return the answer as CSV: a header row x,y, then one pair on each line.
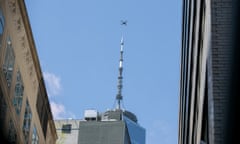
x,y
25,114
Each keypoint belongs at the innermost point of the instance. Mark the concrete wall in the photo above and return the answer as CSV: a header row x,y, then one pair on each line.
x,y
109,132
70,137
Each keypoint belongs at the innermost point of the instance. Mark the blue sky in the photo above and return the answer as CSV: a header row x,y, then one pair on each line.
x,y
78,43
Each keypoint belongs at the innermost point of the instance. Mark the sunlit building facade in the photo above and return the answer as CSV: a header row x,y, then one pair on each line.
x,y
208,72
25,114
67,131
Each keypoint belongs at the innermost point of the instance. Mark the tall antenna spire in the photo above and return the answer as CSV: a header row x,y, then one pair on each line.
x,y
120,77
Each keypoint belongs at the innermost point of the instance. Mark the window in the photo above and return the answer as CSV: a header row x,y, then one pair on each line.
x,y
3,110
9,62
136,133
27,122
1,26
1,22
18,93
35,139
42,109
12,135
66,128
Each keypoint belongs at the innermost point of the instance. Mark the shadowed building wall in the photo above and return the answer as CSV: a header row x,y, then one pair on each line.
x,y
207,61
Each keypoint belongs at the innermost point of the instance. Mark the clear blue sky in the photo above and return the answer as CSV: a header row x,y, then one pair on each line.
x,y
78,43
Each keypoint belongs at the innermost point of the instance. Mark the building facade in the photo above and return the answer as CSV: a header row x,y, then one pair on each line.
x,y
111,127
207,71
25,114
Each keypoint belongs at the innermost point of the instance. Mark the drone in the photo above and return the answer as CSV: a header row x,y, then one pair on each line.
x,y
124,22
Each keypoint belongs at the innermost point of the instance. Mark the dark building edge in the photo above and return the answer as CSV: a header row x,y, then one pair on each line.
x,y
232,122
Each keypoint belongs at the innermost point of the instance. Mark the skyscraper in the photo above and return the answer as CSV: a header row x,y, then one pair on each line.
x,y
208,86
25,113
116,126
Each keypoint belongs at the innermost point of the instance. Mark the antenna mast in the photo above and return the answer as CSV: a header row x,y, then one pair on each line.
x,y
120,77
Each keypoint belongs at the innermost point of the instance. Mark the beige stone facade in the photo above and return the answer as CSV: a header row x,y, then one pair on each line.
x,y
25,114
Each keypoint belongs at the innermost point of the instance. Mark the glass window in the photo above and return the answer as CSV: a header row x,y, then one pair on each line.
x,y
135,132
1,26
18,94
42,109
12,136
35,139
9,62
1,22
66,128
27,122
3,110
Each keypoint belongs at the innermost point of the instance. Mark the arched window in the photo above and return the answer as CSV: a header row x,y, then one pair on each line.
x,y
18,93
9,62
27,122
35,139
